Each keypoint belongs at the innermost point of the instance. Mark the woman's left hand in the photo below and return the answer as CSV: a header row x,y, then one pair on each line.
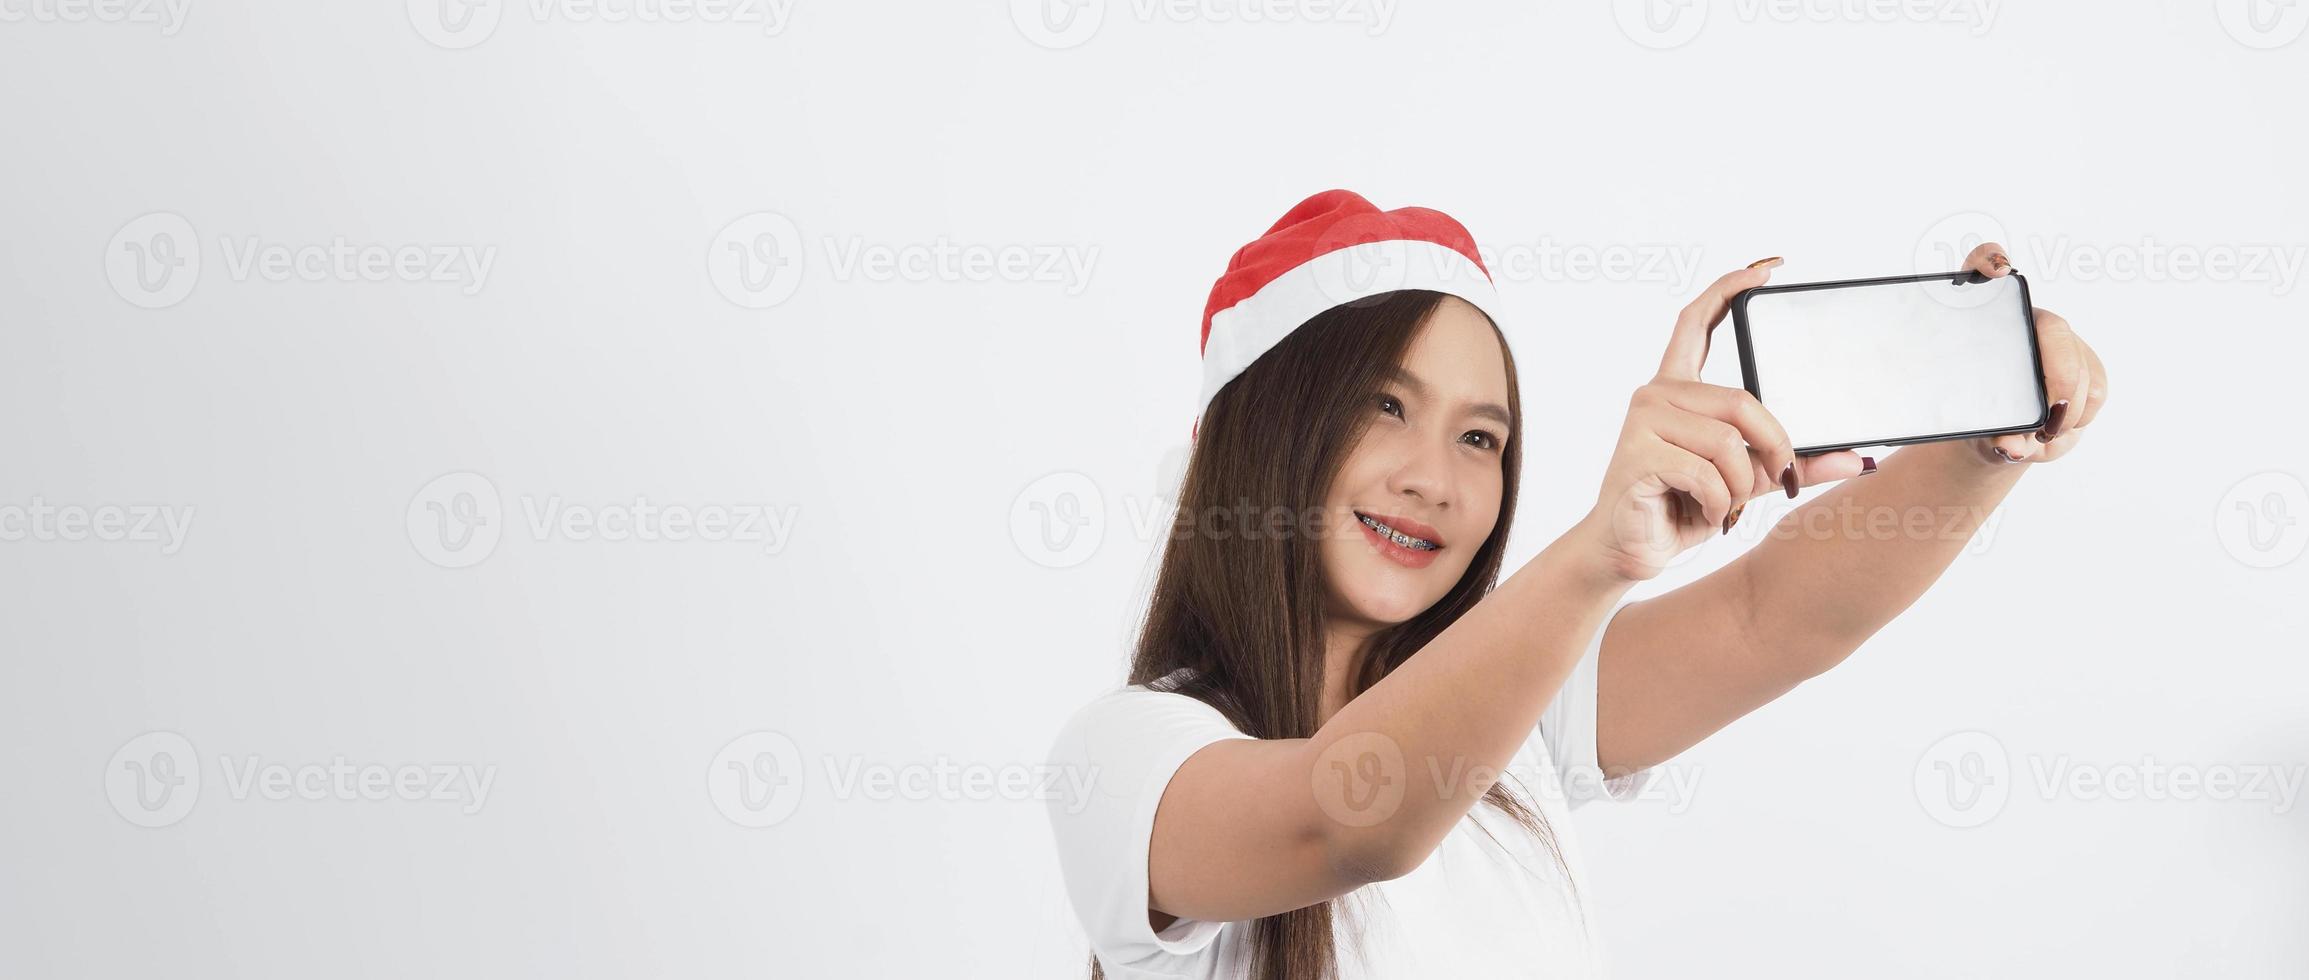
x,y
2074,384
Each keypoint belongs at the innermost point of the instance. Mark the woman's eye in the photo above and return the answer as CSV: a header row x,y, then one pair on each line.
x,y
1389,405
1480,439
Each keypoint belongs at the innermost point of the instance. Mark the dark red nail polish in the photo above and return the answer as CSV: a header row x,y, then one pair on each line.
x,y
1733,518
2052,420
1867,465
1788,479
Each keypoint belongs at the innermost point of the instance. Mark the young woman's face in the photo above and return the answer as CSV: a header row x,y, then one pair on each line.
x,y
1420,492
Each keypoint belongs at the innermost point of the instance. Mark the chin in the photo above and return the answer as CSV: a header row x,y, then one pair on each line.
x,y
1389,603
1374,590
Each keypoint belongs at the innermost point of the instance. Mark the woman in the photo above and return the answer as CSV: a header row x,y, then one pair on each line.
x,y
1348,748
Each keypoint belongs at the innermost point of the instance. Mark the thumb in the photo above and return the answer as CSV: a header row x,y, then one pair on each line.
x,y
1688,345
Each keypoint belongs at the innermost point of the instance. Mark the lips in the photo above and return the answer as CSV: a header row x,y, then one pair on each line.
x,y
1402,540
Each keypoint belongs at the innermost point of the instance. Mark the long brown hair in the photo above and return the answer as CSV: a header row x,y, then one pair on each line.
x,y
1246,612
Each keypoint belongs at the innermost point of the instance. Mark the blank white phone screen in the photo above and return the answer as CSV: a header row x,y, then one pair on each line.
x,y
1866,365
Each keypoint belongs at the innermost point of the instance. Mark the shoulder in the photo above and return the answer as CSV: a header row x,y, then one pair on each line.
x,y
1113,759
1122,748
1137,719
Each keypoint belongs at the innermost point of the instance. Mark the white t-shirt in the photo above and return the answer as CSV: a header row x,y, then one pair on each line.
x,y
1475,908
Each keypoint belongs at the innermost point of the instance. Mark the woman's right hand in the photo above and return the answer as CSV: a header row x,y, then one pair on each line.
x,y
1691,455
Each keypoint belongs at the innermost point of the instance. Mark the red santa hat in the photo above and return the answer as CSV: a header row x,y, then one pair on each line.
x,y
1332,249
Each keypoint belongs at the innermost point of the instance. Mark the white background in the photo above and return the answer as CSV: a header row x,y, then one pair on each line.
x,y
920,429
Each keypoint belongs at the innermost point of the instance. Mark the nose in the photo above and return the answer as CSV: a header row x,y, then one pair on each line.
x,y
1424,472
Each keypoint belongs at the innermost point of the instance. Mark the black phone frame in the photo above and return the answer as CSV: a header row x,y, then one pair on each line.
x,y
2028,313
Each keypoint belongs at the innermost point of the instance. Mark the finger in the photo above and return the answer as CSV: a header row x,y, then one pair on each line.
x,y
1697,477
1989,260
1688,345
1773,451
1714,440
2065,371
2016,447
1830,467
2096,388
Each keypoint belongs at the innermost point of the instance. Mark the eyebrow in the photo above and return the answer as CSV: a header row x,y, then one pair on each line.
x,y
1489,410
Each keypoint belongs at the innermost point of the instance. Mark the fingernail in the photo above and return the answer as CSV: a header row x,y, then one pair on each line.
x,y
1867,465
1998,261
1733,517
2008,457
1760,263
1788,479
2051,428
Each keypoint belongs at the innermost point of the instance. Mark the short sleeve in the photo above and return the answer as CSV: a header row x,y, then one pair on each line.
x,y
1125,747
1569,729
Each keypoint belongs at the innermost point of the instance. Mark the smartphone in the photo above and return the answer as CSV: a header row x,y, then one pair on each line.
x,y
1893,361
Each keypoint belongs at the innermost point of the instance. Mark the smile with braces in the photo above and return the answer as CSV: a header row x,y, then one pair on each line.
x,y
1401,539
